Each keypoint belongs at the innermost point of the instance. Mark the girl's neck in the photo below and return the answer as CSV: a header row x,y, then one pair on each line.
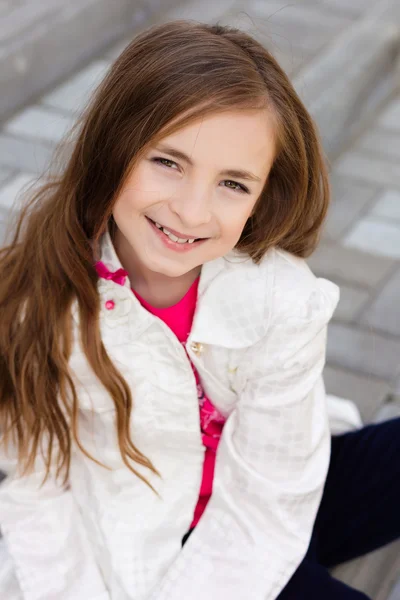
x,y
159,290
161,293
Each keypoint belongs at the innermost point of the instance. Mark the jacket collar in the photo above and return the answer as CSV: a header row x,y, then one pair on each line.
x,y
233,296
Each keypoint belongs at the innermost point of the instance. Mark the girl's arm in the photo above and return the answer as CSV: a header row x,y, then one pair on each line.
x,y
45,538
271,465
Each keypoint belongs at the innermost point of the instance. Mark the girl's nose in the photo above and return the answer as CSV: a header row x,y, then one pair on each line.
x,y
192,207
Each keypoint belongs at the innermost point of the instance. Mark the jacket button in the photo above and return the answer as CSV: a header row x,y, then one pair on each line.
x,y
110,304
197,347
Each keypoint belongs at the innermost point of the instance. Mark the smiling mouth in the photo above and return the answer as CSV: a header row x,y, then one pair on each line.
x,y
172,236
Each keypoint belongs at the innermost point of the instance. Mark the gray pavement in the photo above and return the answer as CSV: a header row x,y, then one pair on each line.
x,y
361,252
360,249
43,41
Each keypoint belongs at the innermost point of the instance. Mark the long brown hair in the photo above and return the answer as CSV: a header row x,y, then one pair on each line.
x,y
167,76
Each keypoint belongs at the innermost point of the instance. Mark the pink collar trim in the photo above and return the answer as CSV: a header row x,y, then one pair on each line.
x,y
118,276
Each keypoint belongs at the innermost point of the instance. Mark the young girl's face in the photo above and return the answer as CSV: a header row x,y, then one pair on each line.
x,y
189,183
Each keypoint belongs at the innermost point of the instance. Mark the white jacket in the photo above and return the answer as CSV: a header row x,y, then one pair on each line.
x,y
258,344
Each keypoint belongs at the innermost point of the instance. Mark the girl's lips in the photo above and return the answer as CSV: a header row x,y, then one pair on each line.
x,y
168,243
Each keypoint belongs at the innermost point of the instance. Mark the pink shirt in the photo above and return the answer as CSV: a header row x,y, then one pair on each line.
x,y
179,319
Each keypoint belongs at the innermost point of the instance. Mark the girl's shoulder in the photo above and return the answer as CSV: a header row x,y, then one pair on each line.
x,y
299,293
287,286
240,303
280,271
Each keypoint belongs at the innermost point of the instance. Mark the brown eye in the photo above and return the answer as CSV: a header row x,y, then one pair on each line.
x,y
240,188
162,161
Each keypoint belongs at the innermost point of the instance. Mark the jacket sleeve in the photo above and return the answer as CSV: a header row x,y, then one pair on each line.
x,y
271,466
45,538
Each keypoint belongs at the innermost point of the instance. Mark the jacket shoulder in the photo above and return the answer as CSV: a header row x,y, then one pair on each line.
x,y
292,289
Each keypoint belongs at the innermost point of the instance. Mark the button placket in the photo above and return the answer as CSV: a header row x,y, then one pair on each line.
x,y
116,301
197,348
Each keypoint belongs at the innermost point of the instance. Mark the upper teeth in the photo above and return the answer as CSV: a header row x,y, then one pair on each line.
x,y
173,237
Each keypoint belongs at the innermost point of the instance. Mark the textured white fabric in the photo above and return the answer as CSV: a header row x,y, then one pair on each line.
x,y
258,343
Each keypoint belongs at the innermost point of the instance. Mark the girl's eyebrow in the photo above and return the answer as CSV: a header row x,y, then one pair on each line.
x,y
239,173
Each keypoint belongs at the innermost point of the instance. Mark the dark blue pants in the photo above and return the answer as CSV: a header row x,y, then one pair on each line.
x,y
359,511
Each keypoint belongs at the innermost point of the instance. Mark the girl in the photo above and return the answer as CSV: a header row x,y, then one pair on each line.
x,y
156,305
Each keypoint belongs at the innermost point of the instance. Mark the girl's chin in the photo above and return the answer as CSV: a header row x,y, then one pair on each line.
x,y
168,270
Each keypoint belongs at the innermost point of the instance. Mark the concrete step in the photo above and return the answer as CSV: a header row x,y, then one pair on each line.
x,y
41,43
347,84
343,69
395,593
375,574
342,85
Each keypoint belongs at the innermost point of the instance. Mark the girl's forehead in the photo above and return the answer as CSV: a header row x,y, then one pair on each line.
x,y
237,135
